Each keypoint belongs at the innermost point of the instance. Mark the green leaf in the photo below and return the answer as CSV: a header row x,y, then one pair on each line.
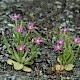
x,y
16,55
13,57
26,38
29,58
10,61
24,56
10,50
29,63
59,60
57,32
5,42
18,66
7,45
69,67
33,30
34,48
21,23
70,58
20,38
27,69
17,37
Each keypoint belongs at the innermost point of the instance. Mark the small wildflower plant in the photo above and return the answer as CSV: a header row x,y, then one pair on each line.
x,y
67,47
20,53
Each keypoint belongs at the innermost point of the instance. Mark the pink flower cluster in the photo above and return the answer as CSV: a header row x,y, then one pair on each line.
x,y
76,39
15,16
30,26
36,40
59,44
20,47
61,41
64,29
19,29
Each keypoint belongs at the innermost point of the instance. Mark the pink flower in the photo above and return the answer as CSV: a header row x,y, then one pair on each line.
x,y
76,39
64,29
30,26
60,41
37,40
20,47
19,29
15,16
58,47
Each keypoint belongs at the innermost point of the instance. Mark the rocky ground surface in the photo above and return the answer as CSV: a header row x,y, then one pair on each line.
x,y
46,14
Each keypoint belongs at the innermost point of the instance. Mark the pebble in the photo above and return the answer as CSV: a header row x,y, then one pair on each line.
x,y
8,1
37,10
3,5
4,47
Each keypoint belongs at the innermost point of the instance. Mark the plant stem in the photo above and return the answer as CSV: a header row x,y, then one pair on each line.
x,y
26,38
32,54
31,57
59,52
15,22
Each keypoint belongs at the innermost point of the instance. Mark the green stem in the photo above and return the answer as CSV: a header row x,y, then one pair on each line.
x,y
26,38
15,22
59,52
25,54
73,45
33,30
31,57
16,55
20,54
33,52
19,34
78,49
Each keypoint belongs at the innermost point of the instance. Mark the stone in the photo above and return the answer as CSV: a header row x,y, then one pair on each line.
x,y
23,0
37,10
3,5
4,47
8,1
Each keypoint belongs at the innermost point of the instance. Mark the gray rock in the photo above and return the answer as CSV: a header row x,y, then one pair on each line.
x,y
8,1
37,10
28,74
7,55
11,25
3,5
4,47
44,66
45,77
1,57
49,5
1,19
23,0
13,77
0,48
